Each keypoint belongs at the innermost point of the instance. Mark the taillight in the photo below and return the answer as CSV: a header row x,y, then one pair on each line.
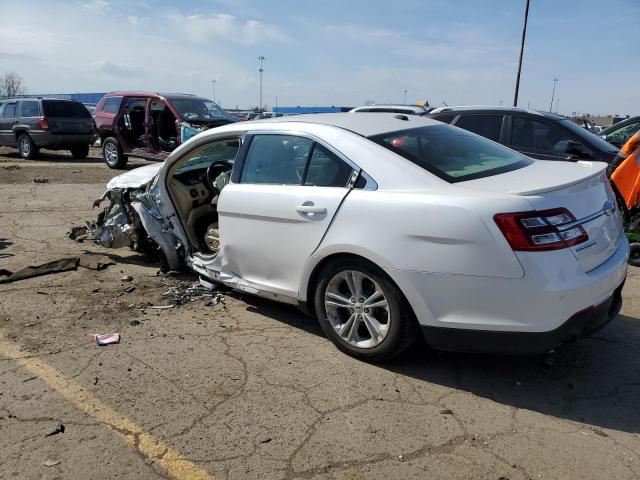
x,y
43,124
540,230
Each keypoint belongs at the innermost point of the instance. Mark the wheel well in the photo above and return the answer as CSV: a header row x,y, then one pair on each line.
x,y
20,132
313,279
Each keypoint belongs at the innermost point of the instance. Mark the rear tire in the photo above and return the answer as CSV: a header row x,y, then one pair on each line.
x,y
26,147
634,254
375,325
112,153
80,152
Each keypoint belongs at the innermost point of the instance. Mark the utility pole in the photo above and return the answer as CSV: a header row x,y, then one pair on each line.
x,y
262,59
213,88
276,102
555,81
405,96
524,34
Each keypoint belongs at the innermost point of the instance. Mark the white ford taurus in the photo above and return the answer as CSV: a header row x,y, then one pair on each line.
x,y
382,225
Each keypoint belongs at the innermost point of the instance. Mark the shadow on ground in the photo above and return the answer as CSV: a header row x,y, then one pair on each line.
x,y
594,381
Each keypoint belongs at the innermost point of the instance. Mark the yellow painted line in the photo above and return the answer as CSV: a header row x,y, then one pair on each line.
x,y
163,455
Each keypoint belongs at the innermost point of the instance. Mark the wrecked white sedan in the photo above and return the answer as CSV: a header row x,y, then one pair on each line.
x,y
382,226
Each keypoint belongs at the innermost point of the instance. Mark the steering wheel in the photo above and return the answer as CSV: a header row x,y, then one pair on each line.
x,y
213,171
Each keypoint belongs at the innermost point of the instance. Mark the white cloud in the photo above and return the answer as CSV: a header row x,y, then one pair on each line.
x,y
205,27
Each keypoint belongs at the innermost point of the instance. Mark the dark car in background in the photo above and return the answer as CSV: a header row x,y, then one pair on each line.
x,y
619,133
151,125
540,135
32,123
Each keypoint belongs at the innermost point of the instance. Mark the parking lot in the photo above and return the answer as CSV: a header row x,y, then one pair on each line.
x,y
247,388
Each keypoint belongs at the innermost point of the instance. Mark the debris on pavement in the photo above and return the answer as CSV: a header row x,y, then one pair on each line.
x,y
126,278
59,429
51,463
129,289
11,167
135,323
446,411
91,262
40,180
161,307
106,338
186,292
600,432
82,233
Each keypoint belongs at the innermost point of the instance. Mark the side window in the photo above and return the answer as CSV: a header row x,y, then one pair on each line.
x,y
10,110
223,152
444,118
276,159
30,108
112,105
528,133
488,126
326,169
2,105
621,135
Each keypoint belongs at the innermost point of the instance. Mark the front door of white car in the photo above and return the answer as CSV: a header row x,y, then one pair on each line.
x,y
277,210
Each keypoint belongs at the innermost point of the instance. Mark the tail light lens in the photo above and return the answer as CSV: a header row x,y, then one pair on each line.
x,y
43,124
540,230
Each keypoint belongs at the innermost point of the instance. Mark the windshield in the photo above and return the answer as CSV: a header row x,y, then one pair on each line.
x,y
451,153
198,109
592,138
65,109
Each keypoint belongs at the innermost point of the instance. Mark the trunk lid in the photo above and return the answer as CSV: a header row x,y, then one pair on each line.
x,y
582,188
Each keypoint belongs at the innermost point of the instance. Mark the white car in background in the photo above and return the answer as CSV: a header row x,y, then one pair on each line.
x,y
384,225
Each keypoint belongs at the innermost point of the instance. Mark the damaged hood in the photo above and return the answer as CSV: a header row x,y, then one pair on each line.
x,y
135,178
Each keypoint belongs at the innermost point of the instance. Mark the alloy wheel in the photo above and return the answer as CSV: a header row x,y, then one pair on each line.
x,y
25,146
111,153
357,309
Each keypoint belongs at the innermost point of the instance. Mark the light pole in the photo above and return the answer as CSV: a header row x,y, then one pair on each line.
x,y
262,59
524,33
213,88
405,96
555,81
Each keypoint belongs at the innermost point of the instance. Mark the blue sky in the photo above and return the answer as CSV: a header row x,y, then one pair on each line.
x,y
330,52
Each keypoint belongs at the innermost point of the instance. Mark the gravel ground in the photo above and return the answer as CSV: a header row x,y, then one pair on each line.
x,y
251,389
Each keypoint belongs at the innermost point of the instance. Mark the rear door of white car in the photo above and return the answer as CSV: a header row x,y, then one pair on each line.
x,y
284,194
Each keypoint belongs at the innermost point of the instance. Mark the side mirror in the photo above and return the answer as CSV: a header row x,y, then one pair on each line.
x,y
573,150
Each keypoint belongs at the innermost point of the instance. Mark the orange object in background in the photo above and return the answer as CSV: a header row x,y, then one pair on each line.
x,y
627,175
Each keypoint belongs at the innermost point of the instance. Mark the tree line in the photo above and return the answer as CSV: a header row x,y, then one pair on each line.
x,y
11,84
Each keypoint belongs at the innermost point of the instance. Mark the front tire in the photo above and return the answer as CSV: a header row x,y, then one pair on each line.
x,y
80,152
362,311
26,147
112,153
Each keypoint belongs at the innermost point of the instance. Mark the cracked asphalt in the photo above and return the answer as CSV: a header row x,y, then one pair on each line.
x,y
251,389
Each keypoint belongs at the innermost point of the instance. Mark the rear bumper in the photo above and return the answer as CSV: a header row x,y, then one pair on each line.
x,y
579,325
57,140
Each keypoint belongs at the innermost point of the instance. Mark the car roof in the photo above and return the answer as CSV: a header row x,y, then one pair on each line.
x,y
365,124
400,106
494,108
138,93
35,97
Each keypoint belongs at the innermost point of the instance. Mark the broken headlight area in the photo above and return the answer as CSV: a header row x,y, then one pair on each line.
x,y
129,221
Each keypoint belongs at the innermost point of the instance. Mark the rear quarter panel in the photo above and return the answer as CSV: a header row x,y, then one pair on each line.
x,y
440,232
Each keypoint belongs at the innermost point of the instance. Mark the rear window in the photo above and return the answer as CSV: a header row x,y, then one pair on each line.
x,y
112,105
65,108
451,153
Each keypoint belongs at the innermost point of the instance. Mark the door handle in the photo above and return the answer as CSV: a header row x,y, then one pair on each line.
x,y
311,209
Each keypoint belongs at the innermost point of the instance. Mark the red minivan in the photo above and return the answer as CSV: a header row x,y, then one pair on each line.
x,y
151,125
